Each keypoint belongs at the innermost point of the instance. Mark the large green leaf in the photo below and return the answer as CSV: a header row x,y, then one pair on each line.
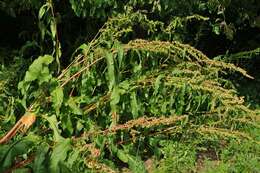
x,y
9,152
36,68
40,162
59,154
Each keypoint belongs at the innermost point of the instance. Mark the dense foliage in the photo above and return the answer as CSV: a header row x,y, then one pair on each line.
x,y
130,86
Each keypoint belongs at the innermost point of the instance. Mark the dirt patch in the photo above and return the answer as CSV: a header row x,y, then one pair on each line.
x,y
208,155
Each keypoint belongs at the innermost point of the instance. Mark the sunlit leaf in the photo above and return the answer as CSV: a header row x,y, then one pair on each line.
x,y
53,28
43,10
122,156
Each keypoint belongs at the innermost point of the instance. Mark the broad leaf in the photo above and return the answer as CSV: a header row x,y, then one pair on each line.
x,y
57,98
40,162
59,154
14,150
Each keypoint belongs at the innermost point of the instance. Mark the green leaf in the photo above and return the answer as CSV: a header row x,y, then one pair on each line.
x,y
57,98
110,70
67,124
122,156
53,28
134,105
120,54
59,154
54,126
40,162
73,156
14,150
42,10
115,96
157,84
64,168
45,75
135,164
75,109
216,29
43,29
84,48
35,69
38,70
3,150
